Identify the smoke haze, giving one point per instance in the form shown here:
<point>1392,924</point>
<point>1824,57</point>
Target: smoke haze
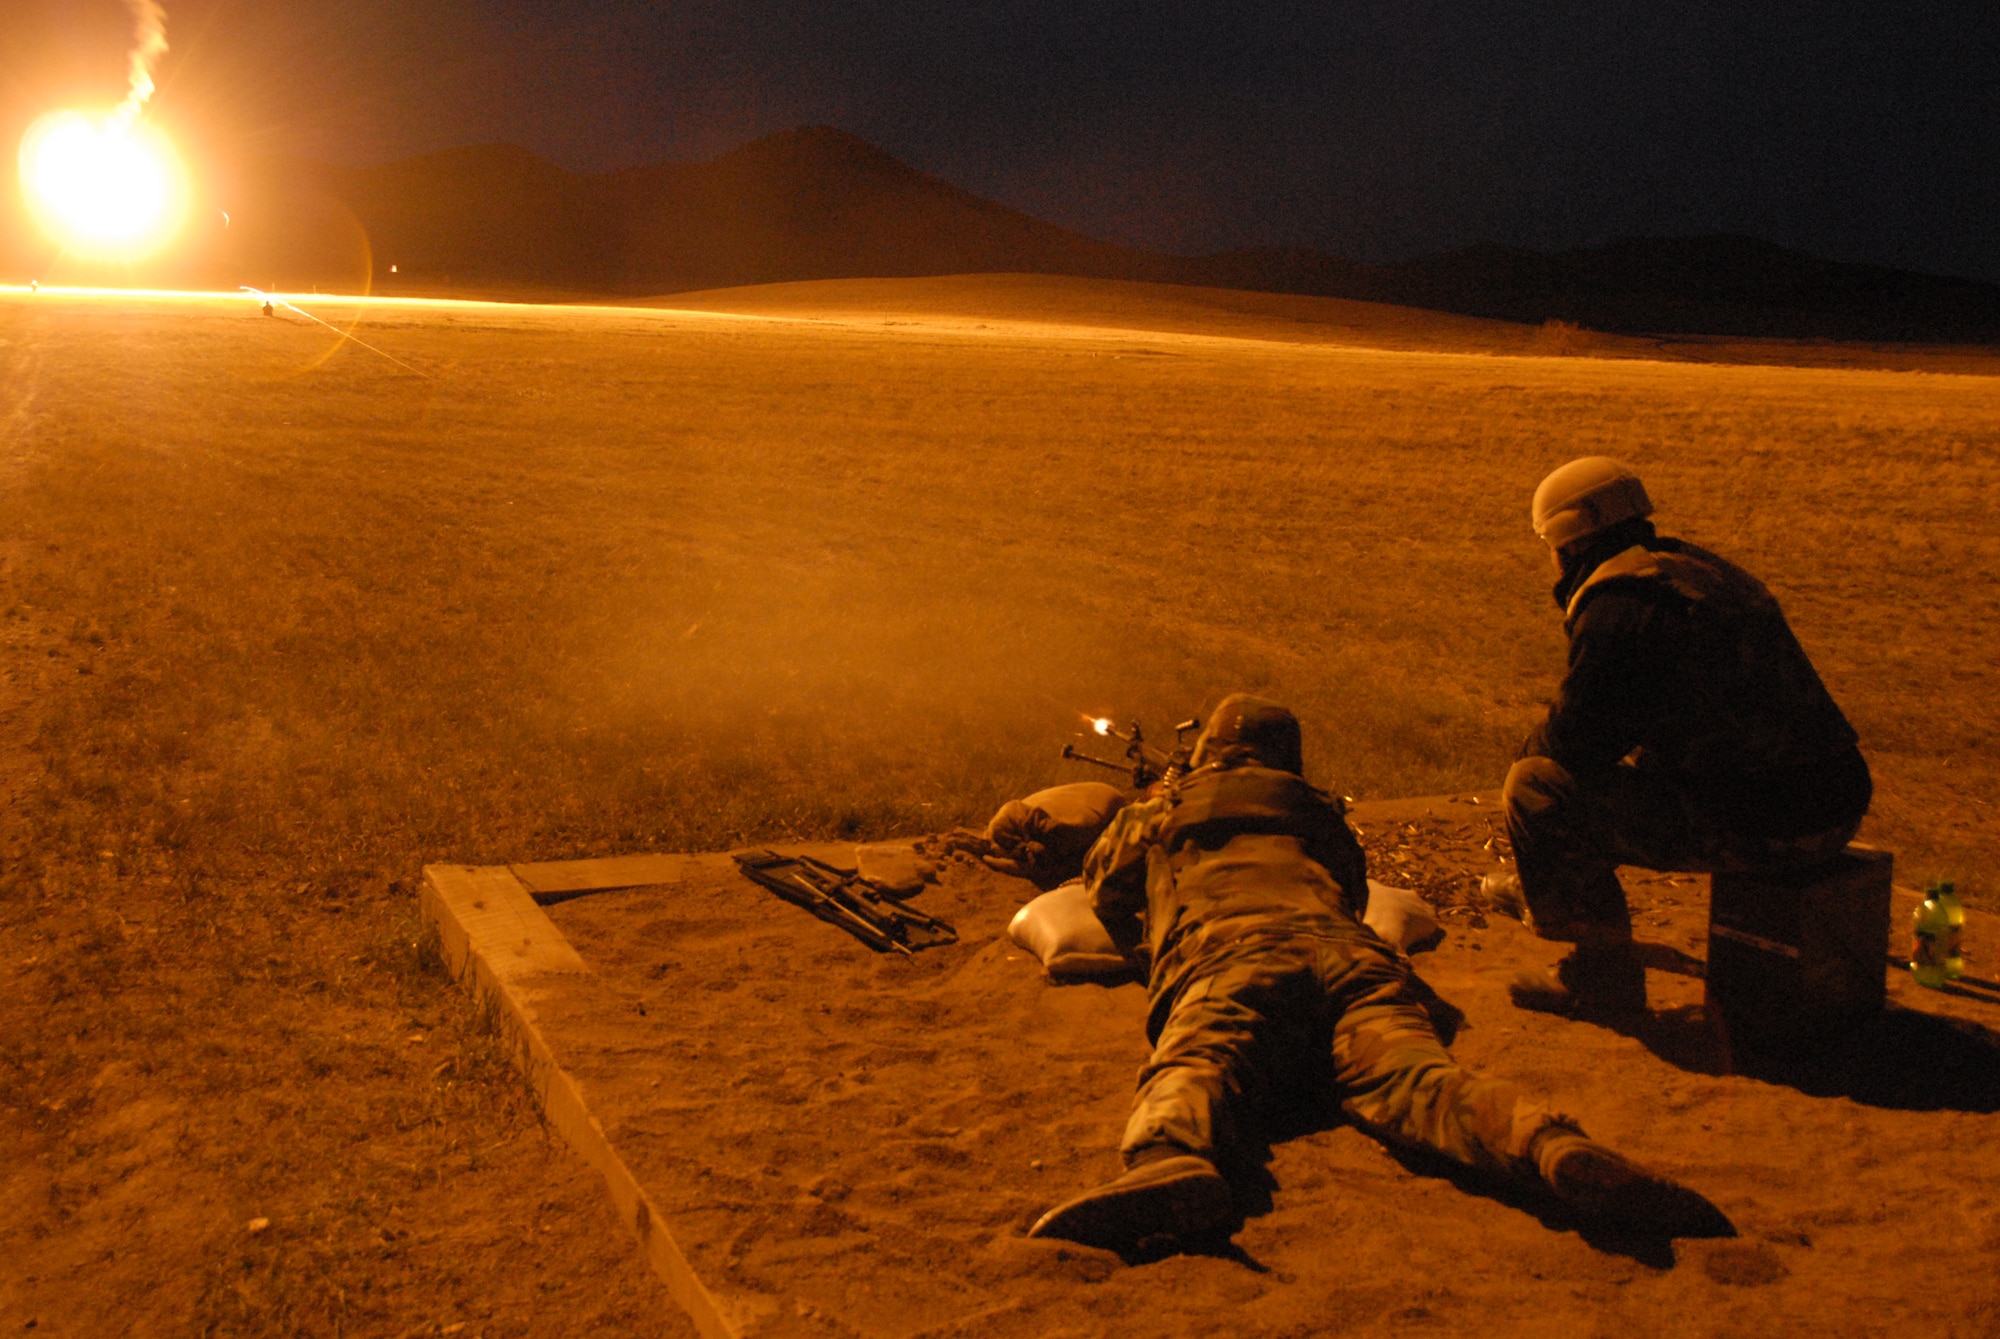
<point>149,43</point>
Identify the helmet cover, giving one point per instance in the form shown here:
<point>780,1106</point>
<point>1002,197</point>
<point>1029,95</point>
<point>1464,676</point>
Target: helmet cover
<point>1243,725</point>
<point>1586,496</point>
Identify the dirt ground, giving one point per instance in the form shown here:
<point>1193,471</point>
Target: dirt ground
<point>848,1143</point>
<point>282,619</point>
<point>229,1115</point>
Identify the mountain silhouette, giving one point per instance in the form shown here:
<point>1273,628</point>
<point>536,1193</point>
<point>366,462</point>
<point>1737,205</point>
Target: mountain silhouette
<point>814,203</point>
<point>819,203</point>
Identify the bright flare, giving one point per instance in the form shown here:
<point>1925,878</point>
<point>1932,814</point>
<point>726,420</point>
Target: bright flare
<point>106,188</point>
<point>1101,724</point>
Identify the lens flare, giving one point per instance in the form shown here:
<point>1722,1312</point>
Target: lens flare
<point>1101,724</point>
<point>107,188</point>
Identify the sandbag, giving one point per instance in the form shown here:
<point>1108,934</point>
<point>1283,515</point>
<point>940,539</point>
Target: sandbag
<point>1044,837</point>
<point>1401,918</point>
<point>1064,934</point>
<point>1062,930</point>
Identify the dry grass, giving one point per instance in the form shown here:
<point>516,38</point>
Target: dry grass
<point>295,625</point>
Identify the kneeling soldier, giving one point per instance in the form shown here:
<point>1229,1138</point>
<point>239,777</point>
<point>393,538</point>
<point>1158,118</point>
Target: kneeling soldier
<point>1250,885</point>
<point>1691,733</point>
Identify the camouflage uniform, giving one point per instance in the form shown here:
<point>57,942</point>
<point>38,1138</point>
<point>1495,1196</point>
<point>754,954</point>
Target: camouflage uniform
<point>1251,884</point>
<point>1691,733</point>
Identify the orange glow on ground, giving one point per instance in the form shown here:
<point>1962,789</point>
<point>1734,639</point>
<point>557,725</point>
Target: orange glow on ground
<point>106,188</point>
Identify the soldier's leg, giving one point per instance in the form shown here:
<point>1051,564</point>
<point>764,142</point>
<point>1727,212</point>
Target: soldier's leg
<point>1569,837</point>
<point>1724,850</point>
<point>1399,1083</point>
<point>1216,1059</point>
<point>1564,837</point>
<point>1222,1047</point>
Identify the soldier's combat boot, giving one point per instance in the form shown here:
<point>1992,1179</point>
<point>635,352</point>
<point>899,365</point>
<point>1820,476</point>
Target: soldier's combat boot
<point>1607,1185</point>
<point>1171,1196</point>
<point>1602,980</point>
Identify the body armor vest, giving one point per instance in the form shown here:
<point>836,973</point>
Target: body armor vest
<point>1214,808</point>
<point>1744,700</point>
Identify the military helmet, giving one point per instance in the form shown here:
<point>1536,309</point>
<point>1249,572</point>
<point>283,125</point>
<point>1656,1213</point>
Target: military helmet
<point>1243,724</point>
<point>1586,496</point>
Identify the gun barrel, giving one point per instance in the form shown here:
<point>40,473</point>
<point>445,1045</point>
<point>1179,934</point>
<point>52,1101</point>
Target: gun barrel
<point>1072,753</point>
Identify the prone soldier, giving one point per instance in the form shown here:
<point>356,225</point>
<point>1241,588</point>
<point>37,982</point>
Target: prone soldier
<point>1242,885</point>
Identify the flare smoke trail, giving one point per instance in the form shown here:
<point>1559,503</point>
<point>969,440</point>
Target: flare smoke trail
<point>149,43</point>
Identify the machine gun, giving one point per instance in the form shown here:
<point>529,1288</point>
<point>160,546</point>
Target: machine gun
<point>1146,765</point>
<point>841,897</point>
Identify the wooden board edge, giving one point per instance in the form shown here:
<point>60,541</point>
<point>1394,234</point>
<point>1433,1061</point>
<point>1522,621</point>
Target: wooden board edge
<point>445,889</point>
<point>558,880</point>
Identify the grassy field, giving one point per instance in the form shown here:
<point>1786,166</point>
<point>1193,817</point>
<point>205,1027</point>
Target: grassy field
<point>285,621</point>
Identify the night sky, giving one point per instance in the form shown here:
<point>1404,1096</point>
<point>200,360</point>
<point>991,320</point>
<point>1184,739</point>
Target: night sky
<point>1377,129</point>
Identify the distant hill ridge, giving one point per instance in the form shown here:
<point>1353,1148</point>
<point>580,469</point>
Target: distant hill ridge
<point>814,203</point>
<point>818,203</point>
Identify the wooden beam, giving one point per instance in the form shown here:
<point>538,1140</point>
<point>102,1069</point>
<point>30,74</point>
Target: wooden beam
<point>504,948</point>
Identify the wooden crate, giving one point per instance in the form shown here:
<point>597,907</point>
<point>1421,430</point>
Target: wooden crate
<point>1797,957</point>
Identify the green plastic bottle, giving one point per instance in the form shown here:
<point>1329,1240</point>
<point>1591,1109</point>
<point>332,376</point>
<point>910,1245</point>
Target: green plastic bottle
<point>1935,956</point>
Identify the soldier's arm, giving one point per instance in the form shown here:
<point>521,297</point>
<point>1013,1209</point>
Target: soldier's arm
<point>1339,852</point>
<point>1114,869</point>
<point>1622,652</point>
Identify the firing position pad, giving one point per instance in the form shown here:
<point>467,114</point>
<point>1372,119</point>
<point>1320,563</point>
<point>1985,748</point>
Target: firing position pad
<point>840,1142</point>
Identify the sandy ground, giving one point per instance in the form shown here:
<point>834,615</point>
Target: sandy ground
<point>848,1143</point>
<point>282,620</point>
